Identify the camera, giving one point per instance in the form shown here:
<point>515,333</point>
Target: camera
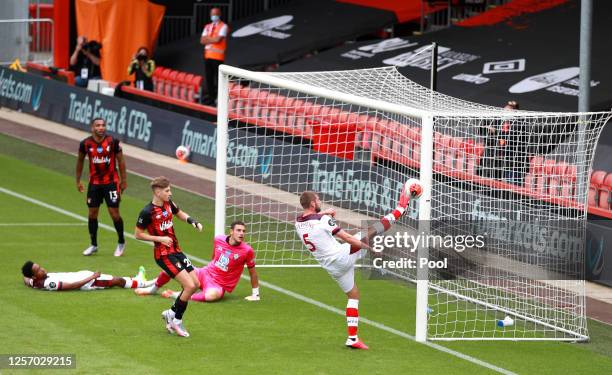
<point>92,46</point>
<point>141,58</point>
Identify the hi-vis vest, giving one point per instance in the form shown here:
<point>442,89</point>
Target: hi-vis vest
<point>215,51</point>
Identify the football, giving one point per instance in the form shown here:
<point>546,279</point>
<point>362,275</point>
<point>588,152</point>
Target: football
<point>414,188</point>
<point>182,153</point>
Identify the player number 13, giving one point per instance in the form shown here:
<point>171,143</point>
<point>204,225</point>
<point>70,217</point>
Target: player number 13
<point>309,245</point>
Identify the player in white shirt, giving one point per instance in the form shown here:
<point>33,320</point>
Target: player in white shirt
<point>34,276</point>
<point>317,229</point>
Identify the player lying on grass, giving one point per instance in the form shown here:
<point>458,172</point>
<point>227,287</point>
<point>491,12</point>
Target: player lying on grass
<point>37,277</point>
<point>317,228</point>
<point>155,224</point>
<point>230,255</point>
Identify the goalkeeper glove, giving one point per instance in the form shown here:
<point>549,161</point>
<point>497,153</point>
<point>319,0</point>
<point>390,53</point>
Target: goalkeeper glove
<point>254,295</point>
<point>195,223</point>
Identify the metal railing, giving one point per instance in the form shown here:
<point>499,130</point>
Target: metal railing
<point>449,13</point>
<point>174,28</point>
<point>26,40</point>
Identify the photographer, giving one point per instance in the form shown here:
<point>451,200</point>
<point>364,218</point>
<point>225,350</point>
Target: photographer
<point>85,61</point>
<point>143,67</point>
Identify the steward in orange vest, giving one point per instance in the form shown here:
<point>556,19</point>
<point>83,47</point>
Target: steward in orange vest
<point>214,39</point>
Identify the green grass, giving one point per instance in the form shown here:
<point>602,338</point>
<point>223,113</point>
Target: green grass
<point>114,331</point>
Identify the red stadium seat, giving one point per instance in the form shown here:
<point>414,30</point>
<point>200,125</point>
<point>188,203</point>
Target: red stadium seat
<point>568,182</point>
<point>186,86</point>
<point>473,158</point>
<point>535,172</point>
<point>343,117</point>
<point>178,85</point>
<point>170,81</point>
<point>605,193</point>
<point>554,180</point>
<point>597,179</point>
<point>414,134</point>
<point>366,139</point>
<point>353,118</point>
<point>195,90</point>
<point>549,170</point>
<point>162,81</point>
<point>334,115</point>
<point>157,78</point>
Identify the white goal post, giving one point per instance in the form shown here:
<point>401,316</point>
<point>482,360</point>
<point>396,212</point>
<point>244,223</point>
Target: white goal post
<point>354,137</point>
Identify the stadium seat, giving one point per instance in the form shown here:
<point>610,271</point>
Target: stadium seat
<point>170,82</point>
<point>366,139</point>
<point>597,179</point>
<point>178,85</point>
<point>195,91</point>
<point>548,172</point>
<point>415,138</point>
<point>605,193</point>
<point>162,81</point>
<point>157,78</point>
<point>535,170</point>
<point>568,182</point>
<point>438,156</point>
<point>473,158</point>
<point>353,118</point>
<point>270,108</point>
<point>184,95</point>
<point>466,148</point>
<point>554,180</point>
<point>452,150</point>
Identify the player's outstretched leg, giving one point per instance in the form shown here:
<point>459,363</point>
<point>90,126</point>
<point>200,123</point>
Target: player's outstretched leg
<point>153,286</point>
<point>410,189</point>
<point>352,320</point>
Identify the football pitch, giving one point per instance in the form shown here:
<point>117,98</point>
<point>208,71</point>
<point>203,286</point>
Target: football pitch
<point>297,327</point>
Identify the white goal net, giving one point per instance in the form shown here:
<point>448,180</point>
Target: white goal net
<point>518,178</point>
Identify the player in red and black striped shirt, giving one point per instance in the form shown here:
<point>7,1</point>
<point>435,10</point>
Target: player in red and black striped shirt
<point>155,224</point>
<point>104,154</point>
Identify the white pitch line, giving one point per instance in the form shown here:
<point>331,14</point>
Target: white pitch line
<point>41,224</point>
<point>283,291</point>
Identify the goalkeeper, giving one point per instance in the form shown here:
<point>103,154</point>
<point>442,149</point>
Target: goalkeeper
<point>230,254</point>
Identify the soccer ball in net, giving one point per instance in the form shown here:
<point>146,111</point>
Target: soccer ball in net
<point>413,188</point>
<point>182,153</point>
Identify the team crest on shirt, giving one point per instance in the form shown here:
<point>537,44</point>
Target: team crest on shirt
<point>51,285</point>
<point>332,222</point>
<point>236,256</point>
<point>100,149</point>
<point>178,265</point>
<point>164,213</point>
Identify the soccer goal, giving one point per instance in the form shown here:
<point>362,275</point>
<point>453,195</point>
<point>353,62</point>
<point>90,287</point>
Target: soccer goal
<point>518,178</point>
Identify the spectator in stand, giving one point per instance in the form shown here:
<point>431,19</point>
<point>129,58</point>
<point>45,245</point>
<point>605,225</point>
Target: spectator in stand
<point>142,67</point>
<point>85,61</point>
<point>502,150</point>
<point>214,39</point>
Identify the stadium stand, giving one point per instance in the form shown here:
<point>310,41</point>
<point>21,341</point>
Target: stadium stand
<point>546,179</point>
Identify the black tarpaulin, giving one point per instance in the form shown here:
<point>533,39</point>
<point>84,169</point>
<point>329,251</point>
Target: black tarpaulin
<point>293,30</point>
<point>533,59</point>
